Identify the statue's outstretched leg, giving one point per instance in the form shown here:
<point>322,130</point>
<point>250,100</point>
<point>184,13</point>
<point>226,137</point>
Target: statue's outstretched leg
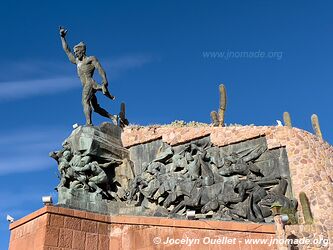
<point>97,108</point>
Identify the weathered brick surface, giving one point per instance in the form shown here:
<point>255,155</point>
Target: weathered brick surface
<point>103,228</point>
<point>52,236</point>
<point>91,241</point>
<point>72,223</point>
<point>56,220</point>
<point>125,232</point>
<point>103,241</point>
<point>65,238</point>
<point>89,226</point>
<point>60,228</point>
<point>79,240</point>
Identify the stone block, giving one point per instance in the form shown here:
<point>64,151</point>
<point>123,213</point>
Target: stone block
<point>65,238</point>
<point>56,220</point>
<point>89,226</point>
<point>72,223</point>
<point>103,242</point>
<point>79,240</point>
<point>52,236</point>
<point>91,241</point>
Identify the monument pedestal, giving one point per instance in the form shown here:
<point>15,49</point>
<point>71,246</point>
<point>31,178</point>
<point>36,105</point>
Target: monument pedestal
<point>56,228</point>
<point>310,162</point>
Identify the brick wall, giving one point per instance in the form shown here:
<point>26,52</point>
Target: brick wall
<point>56,228</point>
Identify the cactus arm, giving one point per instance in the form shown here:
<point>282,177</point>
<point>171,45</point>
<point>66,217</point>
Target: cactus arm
<point>316,126</point>
<point>287,119</point>
<point>215,119</point>
<point>306,208</point>
<point>223,104</point>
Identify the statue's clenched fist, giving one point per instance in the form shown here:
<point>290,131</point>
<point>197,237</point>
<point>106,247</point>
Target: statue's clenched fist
<point>62,31</point>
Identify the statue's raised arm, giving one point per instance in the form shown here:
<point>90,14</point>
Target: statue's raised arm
<point>65,46</point>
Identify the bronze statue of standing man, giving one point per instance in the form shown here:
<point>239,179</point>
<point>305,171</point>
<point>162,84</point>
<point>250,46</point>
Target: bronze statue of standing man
<point>86,66</point>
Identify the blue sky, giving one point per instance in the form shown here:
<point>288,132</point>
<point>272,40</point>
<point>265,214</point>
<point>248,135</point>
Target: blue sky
<point>153,52</point>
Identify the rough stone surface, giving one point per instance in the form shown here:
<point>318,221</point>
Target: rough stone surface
<point>310,162</point>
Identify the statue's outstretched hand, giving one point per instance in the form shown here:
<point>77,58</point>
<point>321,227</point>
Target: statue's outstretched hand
<point>62,31</point>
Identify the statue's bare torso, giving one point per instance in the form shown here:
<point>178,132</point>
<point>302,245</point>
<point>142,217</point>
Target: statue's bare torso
<point>86,69</point>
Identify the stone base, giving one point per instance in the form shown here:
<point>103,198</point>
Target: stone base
<point>57,228</point>
<point>82,200</point>
<point>93,202</point>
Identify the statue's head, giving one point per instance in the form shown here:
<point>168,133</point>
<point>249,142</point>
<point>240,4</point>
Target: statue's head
<point>80,50</point>
<point>84,160</point>
<point>66,155</point>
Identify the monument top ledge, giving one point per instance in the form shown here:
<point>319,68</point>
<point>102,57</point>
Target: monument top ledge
<point>177,133</point>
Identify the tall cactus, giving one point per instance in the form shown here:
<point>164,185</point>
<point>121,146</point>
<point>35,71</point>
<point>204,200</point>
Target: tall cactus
<point>218,117</point>
<point>215,118</point>
<point>287,119</point>
<point>223,104</point>
<point>122,115</point>
<point>306,208</point>
<point>316,126</point>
